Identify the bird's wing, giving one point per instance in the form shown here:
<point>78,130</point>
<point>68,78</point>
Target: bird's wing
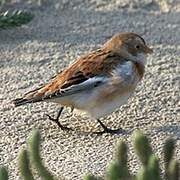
<point>86,73</point>
<point>77,88</point>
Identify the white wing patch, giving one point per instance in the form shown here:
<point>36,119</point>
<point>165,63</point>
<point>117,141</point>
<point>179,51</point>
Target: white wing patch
<point>88,84</point>
<point>78,88</point>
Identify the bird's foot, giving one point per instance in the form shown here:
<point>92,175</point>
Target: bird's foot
<point>110,131</point>
<point>107,130</point>
<point>58,123</point>
<point>56,120</point>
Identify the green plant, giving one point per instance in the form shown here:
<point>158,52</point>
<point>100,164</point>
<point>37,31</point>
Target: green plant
<point>15,18</point>
<point>92,177</point>
<point>34,156</point>
<point>3,173</point>
<point>117,170</point>
<point>24,165</point>
<point>30,158</point>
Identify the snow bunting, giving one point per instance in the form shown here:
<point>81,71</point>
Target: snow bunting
<point>98,82</point>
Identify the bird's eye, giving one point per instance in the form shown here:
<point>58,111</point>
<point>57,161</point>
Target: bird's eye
<point>137,46</point>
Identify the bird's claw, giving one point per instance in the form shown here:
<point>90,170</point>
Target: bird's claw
<point>109,131</point>
<point>56,120</point>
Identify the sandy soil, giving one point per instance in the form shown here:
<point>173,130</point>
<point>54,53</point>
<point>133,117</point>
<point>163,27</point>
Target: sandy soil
<point>60,32</point>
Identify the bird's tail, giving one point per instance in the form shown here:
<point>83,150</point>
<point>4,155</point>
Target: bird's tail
<point>21,101</point>
<point>30,97</point>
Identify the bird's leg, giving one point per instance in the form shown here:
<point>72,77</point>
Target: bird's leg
<point>56,120</point>
<point>106,129</point>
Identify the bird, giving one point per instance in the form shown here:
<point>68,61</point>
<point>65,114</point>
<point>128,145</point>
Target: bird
<point>98,82</point>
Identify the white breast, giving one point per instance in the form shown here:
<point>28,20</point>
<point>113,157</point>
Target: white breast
<point>126,74</point>
<point>109,106</point>
<point>123,71</point>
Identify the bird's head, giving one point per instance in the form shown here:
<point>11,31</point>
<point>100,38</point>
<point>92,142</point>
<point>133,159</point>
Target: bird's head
<point>129,45</point>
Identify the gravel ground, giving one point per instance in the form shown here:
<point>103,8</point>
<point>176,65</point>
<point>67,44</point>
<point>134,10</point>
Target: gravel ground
<point>63,30</point>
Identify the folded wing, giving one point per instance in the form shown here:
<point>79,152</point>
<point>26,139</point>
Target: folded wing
<point>88,72</point>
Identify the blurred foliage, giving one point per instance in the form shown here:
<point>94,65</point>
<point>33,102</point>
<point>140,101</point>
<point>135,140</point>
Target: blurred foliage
<point>30,158</point>
<point>15,18</point>
<point>118,168</point>
<point>3,173</point>
<point>11,17</point>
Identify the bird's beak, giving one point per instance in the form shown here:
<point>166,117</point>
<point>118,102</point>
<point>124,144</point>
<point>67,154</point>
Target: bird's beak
<point>148,50</point>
